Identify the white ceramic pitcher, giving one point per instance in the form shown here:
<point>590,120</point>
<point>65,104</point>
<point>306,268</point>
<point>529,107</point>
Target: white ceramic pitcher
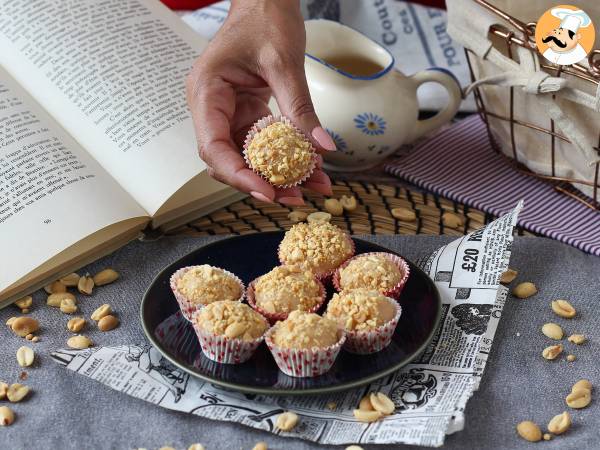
<point>368,107</point>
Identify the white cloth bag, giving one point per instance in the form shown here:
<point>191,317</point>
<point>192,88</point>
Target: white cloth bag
<point>575,109</point>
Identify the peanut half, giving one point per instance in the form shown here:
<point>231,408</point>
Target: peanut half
<point>70,280</point>
<point>367,416</point>
<point>348,202</point>
<point>560,423</point>
<point>563,308</point>
<point>353,447</point>
<point>110,322</point>
<point>76,324</point>
<point>579,398</point>
<point>403,214</point>
<point>552,352</point>
<point>287,421</point>
<point>582,384</point>
<point>25,302</point>
<point>577,339</point>
<point>318,216</point>
<point>101,311</point>
<point>25,356</point>
<point>334,207</point>
<point>524,290</point>
<point>452,220</point>
<point>508,276</point>
<point>297,216</point>
<point>553,331</point>
<point>3,390</point>
<point>55,288</point>
<point>106,276</point>
<point>260,446</point>
<point>232,331</point>
<point>196,447</point>
<point>382,403</point>
<point>7,417</point>
<point>22,326</point>
<point>365,403</point>
<point>571,358</point>
<point>68,306</point>
<point>17,392</point>
<point>79,342</point>
<point>529,431</point>
<point>85,284</point>
<point>56,299</point>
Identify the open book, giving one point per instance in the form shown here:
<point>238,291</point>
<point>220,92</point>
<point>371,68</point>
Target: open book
<point>96,140</point>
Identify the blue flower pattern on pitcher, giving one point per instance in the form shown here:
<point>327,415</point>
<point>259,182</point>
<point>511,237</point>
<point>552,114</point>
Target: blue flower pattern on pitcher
<point>370,124</point>
<point>340,143</point>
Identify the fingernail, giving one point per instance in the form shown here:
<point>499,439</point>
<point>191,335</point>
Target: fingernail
<point>323,139</point>
<point>293,201</point>
<point>260,196</point>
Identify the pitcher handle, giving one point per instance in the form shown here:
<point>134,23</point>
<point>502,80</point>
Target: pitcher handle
<point>449,81</point>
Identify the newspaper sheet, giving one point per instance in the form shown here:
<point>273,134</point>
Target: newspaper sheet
<point>414,34</point>
<point>430,394</point>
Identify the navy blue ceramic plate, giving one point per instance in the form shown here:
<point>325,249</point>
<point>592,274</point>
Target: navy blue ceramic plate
<point>248,257</point>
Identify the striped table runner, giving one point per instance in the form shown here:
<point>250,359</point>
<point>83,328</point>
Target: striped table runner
<point>460,164</point>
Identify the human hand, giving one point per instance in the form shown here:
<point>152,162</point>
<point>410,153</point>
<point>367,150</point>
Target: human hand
<point>258,51</point>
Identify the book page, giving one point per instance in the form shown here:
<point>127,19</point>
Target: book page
<point>112,72</point>
<point>52,193</point>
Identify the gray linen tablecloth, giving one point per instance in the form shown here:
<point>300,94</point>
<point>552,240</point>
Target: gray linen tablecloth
<point>68,411</point>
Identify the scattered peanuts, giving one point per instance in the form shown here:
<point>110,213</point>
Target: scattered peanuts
<point>331,406</point>
<point>25,356</point>
<point>22,326</point>
<point>68,306</point>
<point>382,403</point>
<point>571,358</point>
<point>110,322</point>
<point>55,288</point>
<point>105,276</point>
<point>70,280</point>
<point>25,302</point>
<point>85,284</point>
<point>334,207</point>
<point>79,342</point>
<point>524,290</point>
<point>3,390</point>
<point>577,339</point>
<point>287,421</point>
<point>348,202</point>
<point>318,216</point>
<point>260,446</point>
<point>560,423</point>
<point>452,220</point>
<point>508,276</point>
<point>579,398</point>
<point>367,416</point>
<point>101,311</point>
<point>404,214</point>
<point>29,337</point>
<point>552,351</point>
<point>7,417</point>
<point>365,403</point>
<point>76,324</point>
<point>17,392</point>
<point>196,447</point>
<point>547,436</point>
<point>297,216</point>
<point>529,431</point>
<point>563,308</point>
<point>56,299</point>
<point>553,331</point>
<point>35,339</point>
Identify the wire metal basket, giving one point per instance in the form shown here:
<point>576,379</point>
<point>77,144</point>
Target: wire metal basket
<point>524,37</point>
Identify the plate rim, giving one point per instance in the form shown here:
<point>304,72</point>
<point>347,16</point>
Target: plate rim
<point>309,391</point>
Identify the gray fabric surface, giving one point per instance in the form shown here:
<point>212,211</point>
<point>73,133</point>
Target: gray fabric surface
<point>68,411</point>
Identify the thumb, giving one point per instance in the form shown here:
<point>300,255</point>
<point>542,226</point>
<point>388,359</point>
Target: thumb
<point>293,98</point>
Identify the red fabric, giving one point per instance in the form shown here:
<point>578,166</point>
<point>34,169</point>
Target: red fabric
<point>195,4</point>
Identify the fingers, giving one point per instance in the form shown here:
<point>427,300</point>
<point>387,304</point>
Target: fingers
<point>289,196</point>
<point>213,106</point>
<point>319,182</point>
<point>288,82</point>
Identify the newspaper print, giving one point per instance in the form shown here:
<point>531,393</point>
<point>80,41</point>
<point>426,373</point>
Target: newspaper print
<point>430,394</point>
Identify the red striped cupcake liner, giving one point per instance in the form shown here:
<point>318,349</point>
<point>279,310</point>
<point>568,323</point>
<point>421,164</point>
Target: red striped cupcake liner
<point>222,349</point>
<point>399,262</point>
<point>264,123</point>
<point>302,363</point>
<point>275,317</point>
<point>373,341</point>
<point>325,277</point>
<point>187,306</point>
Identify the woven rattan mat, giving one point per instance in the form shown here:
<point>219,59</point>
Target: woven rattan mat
<point>372,216</point>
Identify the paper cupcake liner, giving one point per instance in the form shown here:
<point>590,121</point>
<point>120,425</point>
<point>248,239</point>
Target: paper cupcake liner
<point>222,349</point>
<point>325,277</point>
<point>373,341</point>
<point>264,123</point>
<point>275,317</point>
<point>399,262</point>
<point>304,362</point>
<point>187,306</point>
